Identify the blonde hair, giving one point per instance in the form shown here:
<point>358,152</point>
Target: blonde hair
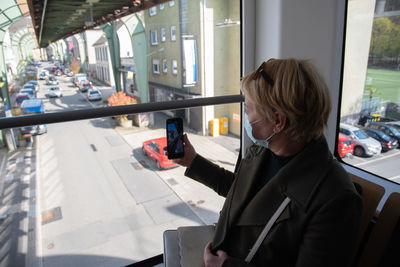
<point>297,91</point>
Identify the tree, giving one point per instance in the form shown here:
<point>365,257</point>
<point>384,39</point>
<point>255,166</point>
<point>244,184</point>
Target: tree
<point>380,40</point>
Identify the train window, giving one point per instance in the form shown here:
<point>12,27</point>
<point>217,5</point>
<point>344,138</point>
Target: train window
<point>106,190</point>
<point>370,104</point>
<point>202,51</point>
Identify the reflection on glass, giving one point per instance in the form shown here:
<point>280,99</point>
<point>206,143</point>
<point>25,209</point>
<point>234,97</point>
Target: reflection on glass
<point>371,95</point>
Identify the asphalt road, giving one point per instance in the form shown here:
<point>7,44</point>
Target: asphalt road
<point>101,203</point>
<point>385,165</point>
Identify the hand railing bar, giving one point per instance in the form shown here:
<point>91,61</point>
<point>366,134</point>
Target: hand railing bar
<point>82,114</point>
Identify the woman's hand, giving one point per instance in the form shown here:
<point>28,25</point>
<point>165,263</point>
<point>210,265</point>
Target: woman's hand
<point>190,153</point>
<point>210,260</point>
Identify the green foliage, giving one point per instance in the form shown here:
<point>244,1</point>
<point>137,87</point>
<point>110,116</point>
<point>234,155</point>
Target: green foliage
<point>385,40</point>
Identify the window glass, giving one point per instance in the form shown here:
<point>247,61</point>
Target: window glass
<point>156,66</point>
<point>164,66</point>
<point>153,37</point>
<point>162,34</point>
<point>174,66</point>
<point>152,11</point>
<point>173,33</point>
<point>371,95</point>
<point>103,172</point>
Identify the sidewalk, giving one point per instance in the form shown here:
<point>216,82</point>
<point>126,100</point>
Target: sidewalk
<point>203,201</point>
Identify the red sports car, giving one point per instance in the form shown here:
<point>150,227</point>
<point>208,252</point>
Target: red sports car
<point>345,147</point>
<point>154,148</point>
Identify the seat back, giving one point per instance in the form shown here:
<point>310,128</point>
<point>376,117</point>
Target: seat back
<point>371,194</point>
<point>381,233</point>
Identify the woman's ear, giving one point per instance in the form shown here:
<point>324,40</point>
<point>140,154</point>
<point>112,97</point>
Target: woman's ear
<point>280,122</point>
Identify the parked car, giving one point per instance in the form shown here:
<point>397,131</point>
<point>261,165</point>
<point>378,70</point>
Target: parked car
<point>28,90</point>
<point>390,130</point>
<point>54,91</point>
<point>51,80</point>
<point>94,94</point>
<point>43,75</point>
<point>34,129</point>
<point>20,98</point>
<point>363,144</point>
<point>345,147</point>
<point>68,72</point>
<point>386,141</point>
<point>85,86</point>
<point>35,85</point>
<point>154,148</point>
<point>395,124</point>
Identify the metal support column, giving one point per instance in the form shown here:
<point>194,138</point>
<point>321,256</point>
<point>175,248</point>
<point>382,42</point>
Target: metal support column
<point>113,45</point>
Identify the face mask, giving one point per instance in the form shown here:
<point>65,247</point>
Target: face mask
<point>249,130</point>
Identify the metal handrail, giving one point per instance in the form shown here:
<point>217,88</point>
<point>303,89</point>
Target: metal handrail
<point>92,113</point>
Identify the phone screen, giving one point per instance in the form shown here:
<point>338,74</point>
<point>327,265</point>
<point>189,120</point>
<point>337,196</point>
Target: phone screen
<point>175,138</point>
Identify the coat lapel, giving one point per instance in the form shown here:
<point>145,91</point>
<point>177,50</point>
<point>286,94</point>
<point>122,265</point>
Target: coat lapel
<point>239,194</point>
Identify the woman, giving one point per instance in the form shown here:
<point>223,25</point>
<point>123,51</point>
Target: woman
<point>287,105</point>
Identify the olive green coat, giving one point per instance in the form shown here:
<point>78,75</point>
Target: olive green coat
<point>318,228</point>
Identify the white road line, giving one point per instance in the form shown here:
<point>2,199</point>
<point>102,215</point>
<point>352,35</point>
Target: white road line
<point>377,159</point>
<point>86,99</point>
<point>2,164</point>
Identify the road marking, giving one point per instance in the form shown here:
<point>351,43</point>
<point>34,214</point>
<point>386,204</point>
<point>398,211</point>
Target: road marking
<point>377,159</point>
<point>2,164</point>
<point>85,98</point>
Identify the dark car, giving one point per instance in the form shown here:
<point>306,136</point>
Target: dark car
<point>390,130</point>
<point>85,86</point>
<point>386,141</point>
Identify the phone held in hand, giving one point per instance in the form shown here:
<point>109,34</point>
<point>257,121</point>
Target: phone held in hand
<point>175,138</point>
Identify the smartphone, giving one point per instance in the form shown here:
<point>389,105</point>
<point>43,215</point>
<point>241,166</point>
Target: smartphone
<point>175,138</point>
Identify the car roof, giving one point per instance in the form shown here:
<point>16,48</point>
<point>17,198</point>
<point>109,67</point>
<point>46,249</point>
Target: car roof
<point>161,141</point>
<point>342,137</point>
<point>349,127</point>
<point>22,94</point>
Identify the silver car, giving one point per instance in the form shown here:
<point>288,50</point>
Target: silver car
<point>363,144</point>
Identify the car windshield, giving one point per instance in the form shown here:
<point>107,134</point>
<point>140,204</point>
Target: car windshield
<point>394,131</point>
<point>94,92</point>
<point>360,134</point>
<point>20,99</point>
<point>383,135</point>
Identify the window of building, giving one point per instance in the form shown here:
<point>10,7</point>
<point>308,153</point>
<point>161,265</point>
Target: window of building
<point>152,11</point>
<point>156,66</point>
<point>162,34</point>
<point>173,33</point>
<point>370,94</point>
<point>153,37</point>
<point>174,66</point>
<point>164,66</point>
<point>171,3</point>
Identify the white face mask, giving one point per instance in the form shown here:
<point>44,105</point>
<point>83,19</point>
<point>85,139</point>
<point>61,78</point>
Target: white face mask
<point>249,130</point>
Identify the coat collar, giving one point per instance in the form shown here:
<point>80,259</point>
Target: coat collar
<point>298,179</point>
<point>301,177</point>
